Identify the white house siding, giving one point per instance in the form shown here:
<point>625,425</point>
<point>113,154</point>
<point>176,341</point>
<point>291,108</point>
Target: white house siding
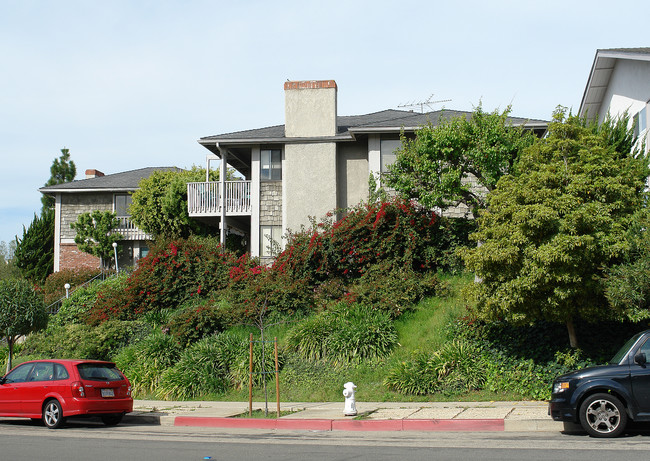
<point>628,90</point>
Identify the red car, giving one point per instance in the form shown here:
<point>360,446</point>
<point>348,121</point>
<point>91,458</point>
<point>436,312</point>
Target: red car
<point>53,390</point>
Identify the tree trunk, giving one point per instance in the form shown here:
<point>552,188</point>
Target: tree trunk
<point>573,339</point>
<point>10,345</point>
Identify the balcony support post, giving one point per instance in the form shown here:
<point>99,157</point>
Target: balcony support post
<point>222,185</point>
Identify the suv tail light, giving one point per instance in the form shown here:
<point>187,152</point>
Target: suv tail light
<point>78,389</point>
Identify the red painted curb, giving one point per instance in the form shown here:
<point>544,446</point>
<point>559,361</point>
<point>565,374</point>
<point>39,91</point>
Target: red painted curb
<point>453,425</point>
<point>367,425</point>
<point>305,424</point>
<point>449,425</point>
<point>255,423</point>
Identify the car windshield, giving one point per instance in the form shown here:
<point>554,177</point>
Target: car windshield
<point>99,372</point>
<point>624,350</point>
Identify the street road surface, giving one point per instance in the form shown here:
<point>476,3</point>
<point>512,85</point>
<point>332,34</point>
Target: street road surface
<point>86,440</point>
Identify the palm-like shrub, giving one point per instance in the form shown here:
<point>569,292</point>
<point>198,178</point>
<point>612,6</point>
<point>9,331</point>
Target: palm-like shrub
<point>144,362</point>
<point>459,366</point>
<point>346,333</point>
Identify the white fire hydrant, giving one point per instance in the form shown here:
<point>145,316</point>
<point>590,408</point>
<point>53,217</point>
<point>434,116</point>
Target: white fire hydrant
<point>350,404</point>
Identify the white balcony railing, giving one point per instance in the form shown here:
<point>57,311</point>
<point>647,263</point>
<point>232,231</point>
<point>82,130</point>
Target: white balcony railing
<point>204,198</point>
<point>129,230</point>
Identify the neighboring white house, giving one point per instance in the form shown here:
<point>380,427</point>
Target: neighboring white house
<point>97,192</point>
<point>619,82</point>
<point>317,162</point>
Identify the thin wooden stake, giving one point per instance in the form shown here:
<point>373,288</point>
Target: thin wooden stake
<point>250,379</point>
<point>277,375</point>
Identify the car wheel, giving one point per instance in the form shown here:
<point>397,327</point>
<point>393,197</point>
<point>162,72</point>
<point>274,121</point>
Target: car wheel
<point>603,415</point>
<point>113,419</point>
<point>53,414</point>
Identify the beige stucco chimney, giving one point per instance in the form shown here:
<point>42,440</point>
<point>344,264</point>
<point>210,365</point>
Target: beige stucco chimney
<point>310,108</point>
<point>93,174</point>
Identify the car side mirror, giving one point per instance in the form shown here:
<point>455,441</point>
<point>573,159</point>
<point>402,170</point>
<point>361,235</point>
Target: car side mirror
<point>640,358</point>
<point>3,380</point>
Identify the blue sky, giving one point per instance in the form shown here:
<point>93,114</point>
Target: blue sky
<point>131,84</point>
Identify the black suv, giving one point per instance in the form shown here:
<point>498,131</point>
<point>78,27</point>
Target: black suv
<point>602,399</point>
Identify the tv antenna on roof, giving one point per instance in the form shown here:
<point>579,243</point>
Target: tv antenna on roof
<point>421,104</point>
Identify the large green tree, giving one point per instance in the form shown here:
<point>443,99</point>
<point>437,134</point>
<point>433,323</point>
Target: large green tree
<point>62,170</point>
<point>627,285</point>
<point>94,234</point>
<point>34,254</point>
<point>553,227</point>
<point>159,206</point>
<point>434,167</point>
<point>21,312</point>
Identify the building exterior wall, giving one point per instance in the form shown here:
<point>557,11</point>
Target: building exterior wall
<point>308,183</point>
<point>628,89</point>
<point>271,203</point>
<point>310,108</point>
<point>71,257</point>
<point>72,205</point>
<point>352,173</point>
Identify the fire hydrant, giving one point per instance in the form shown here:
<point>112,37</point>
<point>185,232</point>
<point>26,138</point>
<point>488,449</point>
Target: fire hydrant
<point>350,404</point>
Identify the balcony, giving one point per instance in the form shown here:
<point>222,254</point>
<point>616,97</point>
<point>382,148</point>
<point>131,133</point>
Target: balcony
<point>204,198</point>
<point>129,230</point>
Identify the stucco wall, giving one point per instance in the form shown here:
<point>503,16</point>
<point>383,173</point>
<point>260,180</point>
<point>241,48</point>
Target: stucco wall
<point>353,173</point>
<point>629,88</point>
<point>72,205</point>
<point>309,182</point>
<point>310,108</point>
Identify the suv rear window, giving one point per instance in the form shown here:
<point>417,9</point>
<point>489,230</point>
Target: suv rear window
<point>99,372</point>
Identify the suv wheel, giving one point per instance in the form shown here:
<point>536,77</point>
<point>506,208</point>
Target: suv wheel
<point>53,414</point>
<point>603,415</point>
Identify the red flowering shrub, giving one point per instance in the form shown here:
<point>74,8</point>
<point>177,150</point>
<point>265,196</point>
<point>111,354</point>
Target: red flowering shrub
<point>397,233</point>
<point>257,291</point>
<point>174,272</point>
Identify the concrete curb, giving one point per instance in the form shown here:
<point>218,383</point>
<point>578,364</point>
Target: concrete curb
<point>452,425</point>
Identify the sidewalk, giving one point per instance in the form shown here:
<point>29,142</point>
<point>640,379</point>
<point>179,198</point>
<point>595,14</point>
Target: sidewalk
<point>372,416</point>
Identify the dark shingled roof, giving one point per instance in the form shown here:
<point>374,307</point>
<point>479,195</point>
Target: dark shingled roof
<point>124,181</point>
<point>383,121</point>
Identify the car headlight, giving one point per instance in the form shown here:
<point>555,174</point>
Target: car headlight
<point>560,386</point>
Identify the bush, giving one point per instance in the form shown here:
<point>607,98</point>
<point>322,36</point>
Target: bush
<point>344,334</point>
<point>393,290</point>
<point>396,232</point>
<point>54,286</point>
<point>204,368</point>
<point>75,309</point>
<point>195,320</point>
<point>145,361</point>
<point>77,341</point>
<point>172,273</point>
<point>457,367</point>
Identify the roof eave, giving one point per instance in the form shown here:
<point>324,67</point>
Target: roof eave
<point>44,190</point>
<point>236,142</point>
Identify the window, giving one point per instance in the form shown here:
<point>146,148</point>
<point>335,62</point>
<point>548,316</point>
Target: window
<point>43,371</point>
<point>121,203</point>
<point>271,164</point>
<point>270,241</point>
<point>640,121</point>
<point>388,153</point>
<point>19,375</point>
